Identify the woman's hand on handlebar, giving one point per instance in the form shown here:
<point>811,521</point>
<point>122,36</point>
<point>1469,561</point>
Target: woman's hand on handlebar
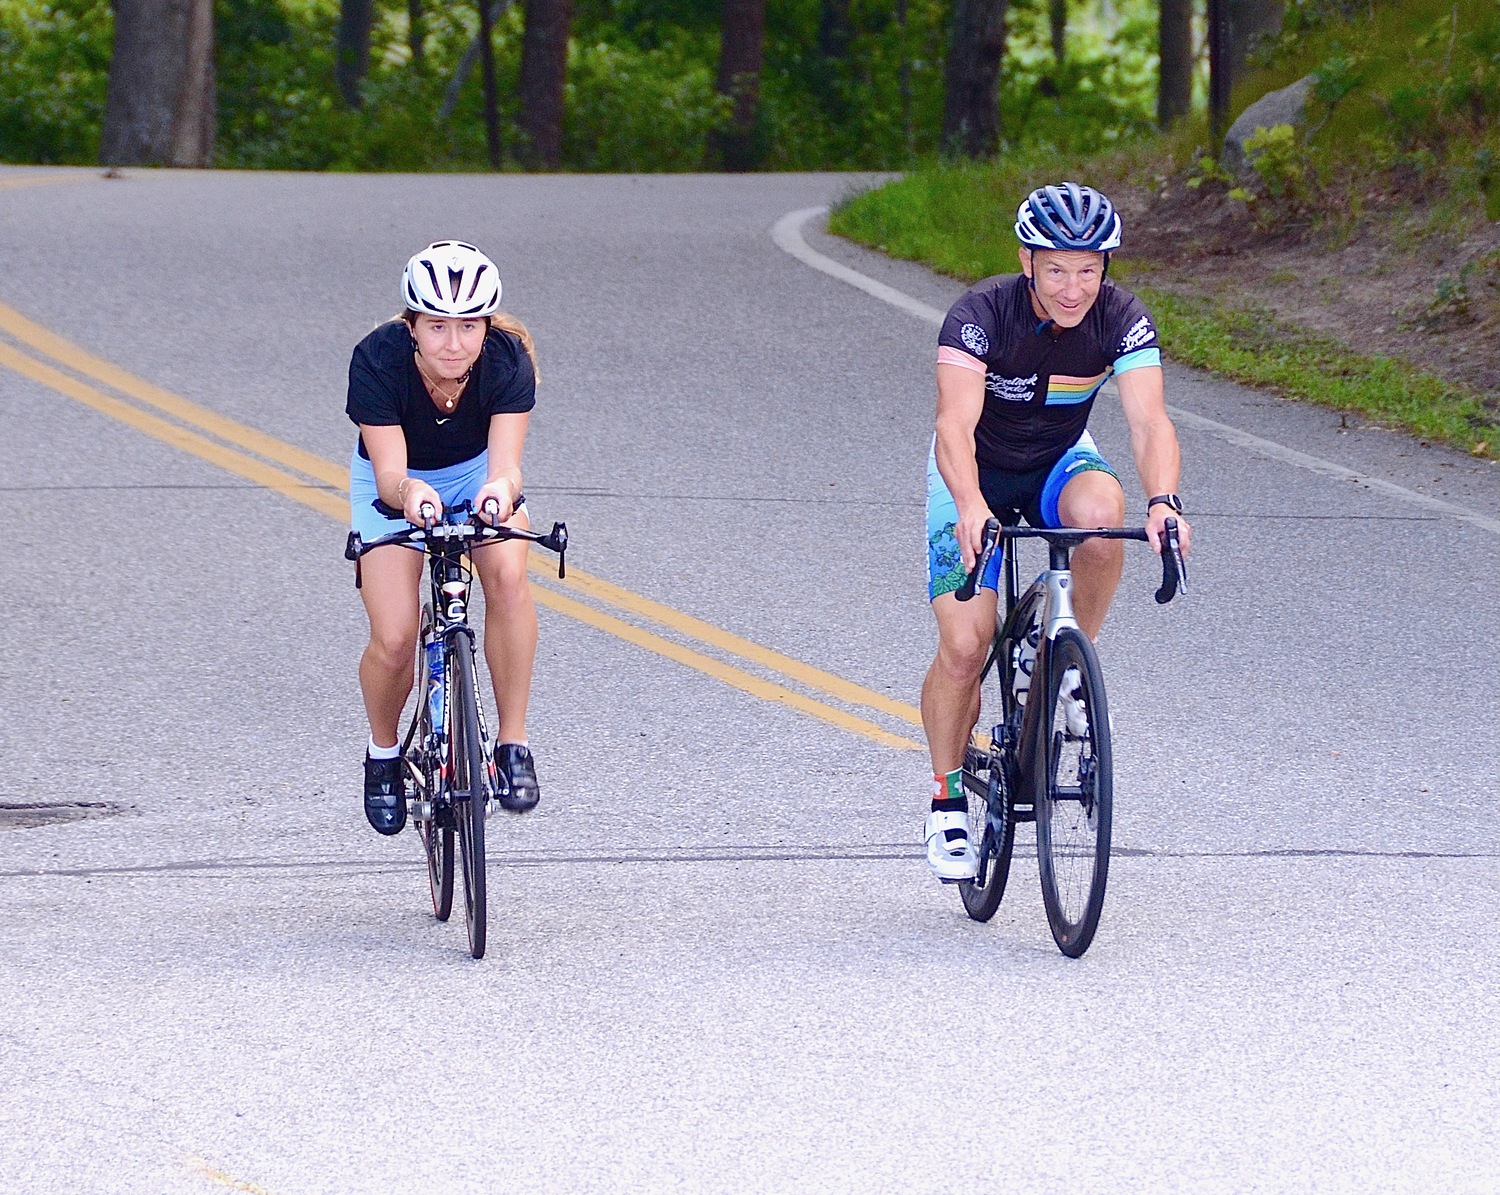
<point>1156,520</point>
<point>496,501</point>
<point>414,494</point>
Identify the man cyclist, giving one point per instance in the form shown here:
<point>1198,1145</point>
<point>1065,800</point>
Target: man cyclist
<point>1021,358</point>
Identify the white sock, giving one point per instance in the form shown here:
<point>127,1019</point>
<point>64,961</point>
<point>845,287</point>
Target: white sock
<point>379,752</point>
<point>516,743</point>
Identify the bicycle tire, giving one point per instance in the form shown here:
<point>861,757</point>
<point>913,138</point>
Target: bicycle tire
<point>469,780</point>
<point>990,790</point>
<point>989,795</point>
<point>1075,796</point>
<point>436,831</point>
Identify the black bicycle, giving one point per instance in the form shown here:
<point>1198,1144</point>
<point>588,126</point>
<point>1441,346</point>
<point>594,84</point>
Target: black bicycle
<point>1047,760</point>
<point>447,747</point>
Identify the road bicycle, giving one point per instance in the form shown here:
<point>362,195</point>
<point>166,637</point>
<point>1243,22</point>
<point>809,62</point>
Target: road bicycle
<point>1048,757</point>
<point>446,748</point>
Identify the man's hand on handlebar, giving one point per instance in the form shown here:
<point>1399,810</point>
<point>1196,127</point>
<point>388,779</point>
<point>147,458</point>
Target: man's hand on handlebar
<point>1156,520</point>
<point>969,531</point>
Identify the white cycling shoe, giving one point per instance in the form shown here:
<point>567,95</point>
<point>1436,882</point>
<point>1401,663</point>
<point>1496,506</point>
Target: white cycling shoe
<point>954,858</point>
<point>1072,701</point>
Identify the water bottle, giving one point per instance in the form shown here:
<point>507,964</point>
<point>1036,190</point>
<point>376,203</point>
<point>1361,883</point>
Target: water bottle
<point>435,682</point>
<point>1024,657</point>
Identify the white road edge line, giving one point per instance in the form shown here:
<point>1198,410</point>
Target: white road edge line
<point>787,233</point>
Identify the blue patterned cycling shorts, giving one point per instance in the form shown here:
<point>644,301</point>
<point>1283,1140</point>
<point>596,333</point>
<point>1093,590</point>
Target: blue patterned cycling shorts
<point>1010,496</point>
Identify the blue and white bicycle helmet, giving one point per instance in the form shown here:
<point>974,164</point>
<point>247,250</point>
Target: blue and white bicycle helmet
<point>1068,216</point>
<point>452,279</point>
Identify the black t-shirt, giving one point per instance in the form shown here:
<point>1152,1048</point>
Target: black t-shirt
<point>1040,382</point>
<point>386,390</point>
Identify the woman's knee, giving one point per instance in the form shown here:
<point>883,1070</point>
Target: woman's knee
<point>503,576</point>
<point>393,645</point>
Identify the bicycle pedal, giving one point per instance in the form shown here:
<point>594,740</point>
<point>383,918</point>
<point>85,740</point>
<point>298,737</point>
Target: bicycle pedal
<point>419,809</point>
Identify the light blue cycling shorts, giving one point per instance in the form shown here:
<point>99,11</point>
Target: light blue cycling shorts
<point>1034,495</point>
<point>457,483</point>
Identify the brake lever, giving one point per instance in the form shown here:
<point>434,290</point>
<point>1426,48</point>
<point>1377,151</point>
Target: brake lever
<point>987,543</point>
<point>557,541</point>
<point>1174,578</point>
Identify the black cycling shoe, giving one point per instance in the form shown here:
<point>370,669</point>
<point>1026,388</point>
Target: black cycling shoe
<point>519,790</point>
<point>385,794</point>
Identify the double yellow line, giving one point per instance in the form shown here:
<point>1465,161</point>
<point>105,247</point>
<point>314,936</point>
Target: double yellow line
<point>307,478</point>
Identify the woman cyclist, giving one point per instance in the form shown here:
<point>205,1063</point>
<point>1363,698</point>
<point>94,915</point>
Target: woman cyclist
<point>441,395</point>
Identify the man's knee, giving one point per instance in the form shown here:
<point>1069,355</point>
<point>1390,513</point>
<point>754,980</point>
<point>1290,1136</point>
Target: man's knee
<point>1098,503</point>
<point>961,654</point>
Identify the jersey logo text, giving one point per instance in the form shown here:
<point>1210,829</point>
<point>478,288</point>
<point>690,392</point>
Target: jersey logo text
<point>1011,389</point>
<point>974,339</point>
<point>1140,332</point>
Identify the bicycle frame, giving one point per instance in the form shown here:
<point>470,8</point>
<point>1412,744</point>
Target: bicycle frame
<point>1019,739</point>
<point>449,580</point>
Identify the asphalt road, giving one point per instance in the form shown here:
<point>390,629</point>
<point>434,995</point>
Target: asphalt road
<point>717,961</point>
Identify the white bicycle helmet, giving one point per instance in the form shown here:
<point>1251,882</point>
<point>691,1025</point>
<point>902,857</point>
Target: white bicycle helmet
<point>453,279</point>
<point>1068,216</point>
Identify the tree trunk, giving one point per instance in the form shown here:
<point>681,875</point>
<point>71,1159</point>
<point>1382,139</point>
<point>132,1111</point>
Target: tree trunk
<point>971,107</point>
<point>741,51</point>
<point>351,61</point>
<point>160,108</point>
<point>487,67</point>
<point>834,33</point>
<point>1174,91</point>
<point>1248,19</point>
<point>466,65</point>
<point>416,29</point>
<point>544,75</point>
<point>1057,19</point>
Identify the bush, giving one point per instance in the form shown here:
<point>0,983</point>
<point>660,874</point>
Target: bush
<point>54,74</point>
<point>633,109</point>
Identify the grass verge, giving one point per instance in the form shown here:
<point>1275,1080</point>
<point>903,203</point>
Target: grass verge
<point>957,221</point>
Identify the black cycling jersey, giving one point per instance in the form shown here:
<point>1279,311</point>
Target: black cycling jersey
<point>386,390</point>
<point>1040,381</point>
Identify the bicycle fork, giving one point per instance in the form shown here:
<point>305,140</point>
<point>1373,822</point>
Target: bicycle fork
<point>1036,724</point>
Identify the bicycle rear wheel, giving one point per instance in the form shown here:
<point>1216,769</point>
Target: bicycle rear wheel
<point>469,786</point>
<point>1074,801</point>
<point>425,773</point>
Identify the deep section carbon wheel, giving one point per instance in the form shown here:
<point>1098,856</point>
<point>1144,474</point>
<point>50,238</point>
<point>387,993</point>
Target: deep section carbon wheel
<point>469,785</point>
<point>1075,794</point>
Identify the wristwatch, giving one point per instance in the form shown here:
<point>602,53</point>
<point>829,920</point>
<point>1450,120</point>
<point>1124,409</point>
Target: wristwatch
<point>1171,500</point>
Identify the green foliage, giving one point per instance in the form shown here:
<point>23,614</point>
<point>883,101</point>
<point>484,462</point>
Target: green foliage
<point>958,219</point>
<point>1102,93</point>
<point>641,92</point>
<point>54,62</point>
<point>1276,157</point>
<point>1206,169</point>
<point>633,109</point>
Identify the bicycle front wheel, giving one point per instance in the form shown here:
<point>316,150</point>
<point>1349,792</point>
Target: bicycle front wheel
<point>1074,802</point>
<point>470,785</point>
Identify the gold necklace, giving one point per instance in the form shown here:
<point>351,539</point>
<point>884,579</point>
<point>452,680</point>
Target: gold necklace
<point>436,391</point>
